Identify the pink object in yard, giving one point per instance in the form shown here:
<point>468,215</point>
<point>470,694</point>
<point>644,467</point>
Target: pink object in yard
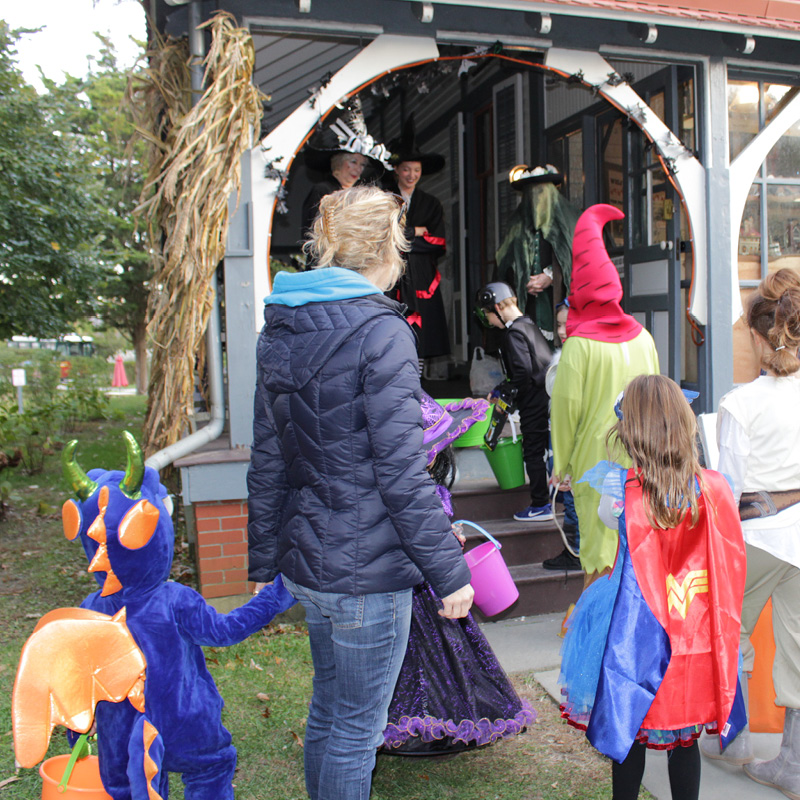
<point>120,378</point>
<point>492,583</point>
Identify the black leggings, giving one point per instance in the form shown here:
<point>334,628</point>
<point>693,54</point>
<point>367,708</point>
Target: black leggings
<point>683,764</point>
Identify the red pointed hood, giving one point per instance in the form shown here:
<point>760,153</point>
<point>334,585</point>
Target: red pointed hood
<point>595,290</point>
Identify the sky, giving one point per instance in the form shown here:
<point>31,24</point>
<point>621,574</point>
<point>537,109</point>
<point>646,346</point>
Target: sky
<point>68,36</point>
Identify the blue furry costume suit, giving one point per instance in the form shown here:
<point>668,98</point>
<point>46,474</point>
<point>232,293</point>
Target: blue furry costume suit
<point>180,729</point>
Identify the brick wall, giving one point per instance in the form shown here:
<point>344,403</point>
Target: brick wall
<point>222,548</point>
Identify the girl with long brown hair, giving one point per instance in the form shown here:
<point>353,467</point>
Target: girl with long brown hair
<point>758,430</point>
<point>638,669</point>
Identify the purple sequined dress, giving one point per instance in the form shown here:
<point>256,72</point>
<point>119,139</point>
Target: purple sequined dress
<point>452,693</point>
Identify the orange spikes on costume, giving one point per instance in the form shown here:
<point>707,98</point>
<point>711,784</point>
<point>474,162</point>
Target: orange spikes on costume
<point>71,519</point>
<point>138,525</point>
<point>97,530</point>
<point>111,585</point>
<point>100,562</point>
<point>150,733</point>
<point>136,695</point>
<point>73,659</point>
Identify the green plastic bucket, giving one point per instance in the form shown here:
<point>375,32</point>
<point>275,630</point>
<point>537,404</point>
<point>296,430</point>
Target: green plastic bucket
<point>506,462</point>
<point>474,436</point>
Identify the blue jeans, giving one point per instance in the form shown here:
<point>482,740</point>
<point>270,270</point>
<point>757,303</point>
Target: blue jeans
<point>357,644</point>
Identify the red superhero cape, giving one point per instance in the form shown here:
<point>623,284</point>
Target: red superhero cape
<point>692,578</point>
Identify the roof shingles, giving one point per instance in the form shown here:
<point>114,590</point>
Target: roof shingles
<point>776,14</point>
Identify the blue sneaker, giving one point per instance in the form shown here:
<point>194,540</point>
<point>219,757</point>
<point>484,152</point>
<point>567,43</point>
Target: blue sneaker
<point>535,514</point>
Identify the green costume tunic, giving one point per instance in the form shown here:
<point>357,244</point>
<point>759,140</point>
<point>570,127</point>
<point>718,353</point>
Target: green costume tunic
<point>590,376</point>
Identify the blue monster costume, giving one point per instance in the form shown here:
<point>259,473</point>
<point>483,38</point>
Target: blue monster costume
<point>128,536</point>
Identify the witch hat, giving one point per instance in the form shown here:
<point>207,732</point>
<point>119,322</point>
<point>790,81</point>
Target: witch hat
<point>522,175</point>
<point>347,134</point>
<point>595,310</point>
<point>405,149</point>
<point>443,424</point>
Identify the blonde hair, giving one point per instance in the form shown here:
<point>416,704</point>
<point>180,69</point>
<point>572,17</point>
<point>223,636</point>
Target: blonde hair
<point>773,312</point>
<point>360,229</point>
<point>659,432</point>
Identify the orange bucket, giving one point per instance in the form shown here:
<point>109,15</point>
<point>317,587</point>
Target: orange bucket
<point>83,784</point>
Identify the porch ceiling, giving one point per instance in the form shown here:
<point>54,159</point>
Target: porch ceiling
<point>289,67</point>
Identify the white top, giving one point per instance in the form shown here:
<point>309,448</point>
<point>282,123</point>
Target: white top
<point>550,376</point>
<point>758,430</point>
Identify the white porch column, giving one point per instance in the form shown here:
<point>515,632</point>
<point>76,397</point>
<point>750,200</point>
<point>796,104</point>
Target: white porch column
<point>718,353</point>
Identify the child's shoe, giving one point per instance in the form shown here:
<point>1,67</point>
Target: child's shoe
<point>564,560</point>
<point>535,514</point>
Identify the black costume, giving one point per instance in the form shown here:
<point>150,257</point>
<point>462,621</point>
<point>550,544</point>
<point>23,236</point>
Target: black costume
<point>526,355</point>
<point>420,286</point>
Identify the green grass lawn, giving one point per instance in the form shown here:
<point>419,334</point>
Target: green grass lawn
<point>266,681</point>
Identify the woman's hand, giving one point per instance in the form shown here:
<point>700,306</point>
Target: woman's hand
<point>458,532</point>
<point>538,283</point>
<point>458,603</point>
<point>420,230</point>
<point>258,587</point>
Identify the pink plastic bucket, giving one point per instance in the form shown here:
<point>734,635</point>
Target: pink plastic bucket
<point>492,583</point>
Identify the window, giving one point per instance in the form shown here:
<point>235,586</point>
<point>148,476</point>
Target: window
<point>769,232</point>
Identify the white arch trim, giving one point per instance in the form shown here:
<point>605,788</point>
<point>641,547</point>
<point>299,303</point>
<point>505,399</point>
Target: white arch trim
<point>390,52</point>
<point>687,173</point>
<point>743,171</point>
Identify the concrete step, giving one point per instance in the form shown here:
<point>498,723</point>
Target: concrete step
<point>473,465</point>
<point>541,591</point>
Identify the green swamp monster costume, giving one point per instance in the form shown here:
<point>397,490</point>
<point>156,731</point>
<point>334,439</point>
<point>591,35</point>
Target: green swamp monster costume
<point>540,233</point>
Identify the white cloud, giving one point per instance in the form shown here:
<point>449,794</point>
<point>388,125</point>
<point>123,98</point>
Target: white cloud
<point>67,38</point>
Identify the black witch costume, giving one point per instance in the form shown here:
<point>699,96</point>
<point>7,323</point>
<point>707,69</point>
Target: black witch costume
<point>420,287</point>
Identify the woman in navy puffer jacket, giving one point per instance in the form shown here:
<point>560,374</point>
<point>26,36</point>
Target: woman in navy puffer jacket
<point>339,498</point>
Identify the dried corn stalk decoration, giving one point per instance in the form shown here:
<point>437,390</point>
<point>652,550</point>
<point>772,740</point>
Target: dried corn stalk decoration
<point>197,153</point>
